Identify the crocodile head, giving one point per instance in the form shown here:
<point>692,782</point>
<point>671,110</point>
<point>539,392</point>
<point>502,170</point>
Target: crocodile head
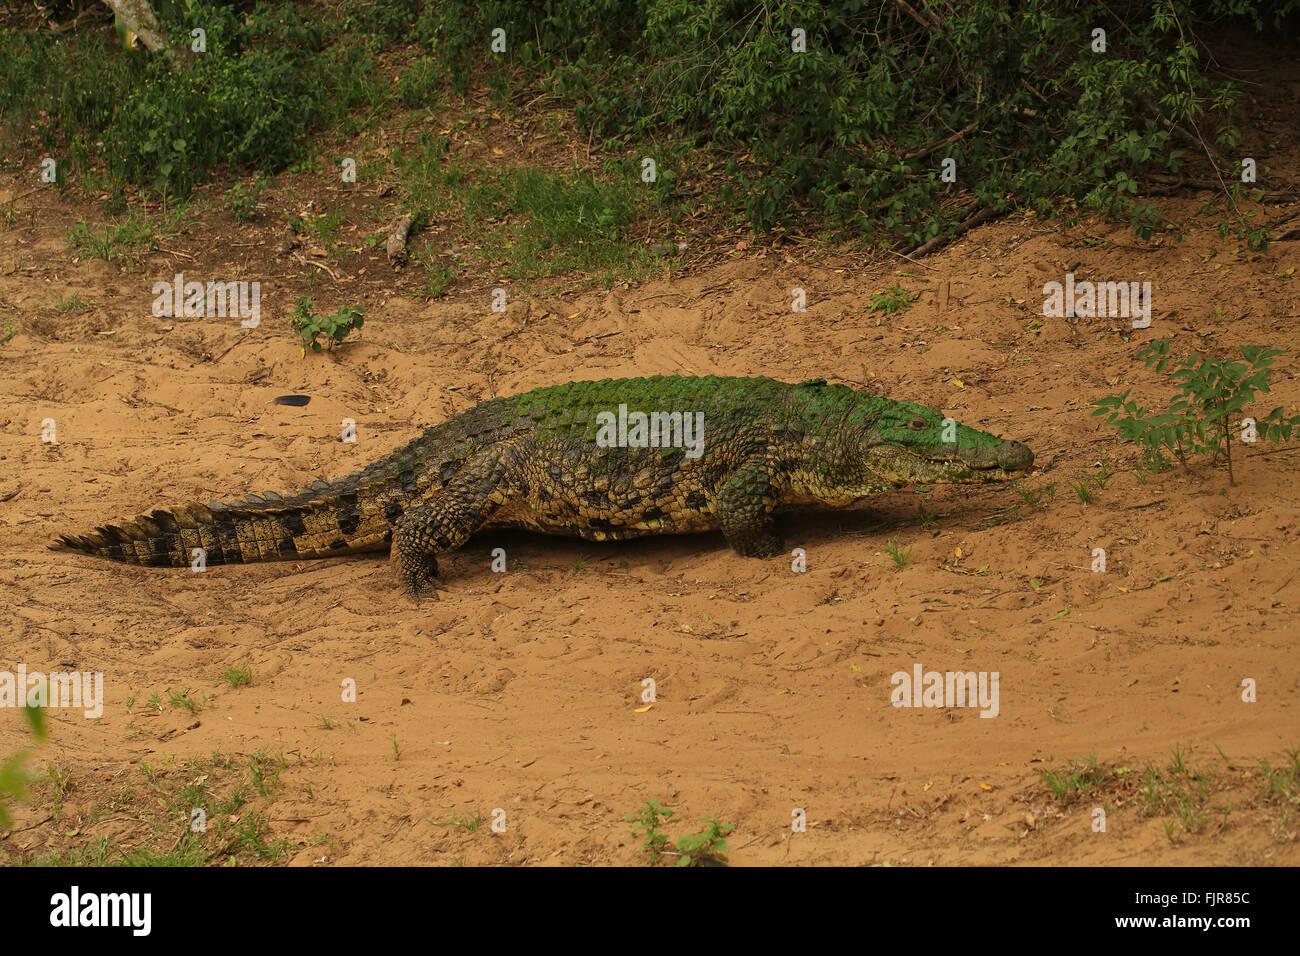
<point>910,444</point>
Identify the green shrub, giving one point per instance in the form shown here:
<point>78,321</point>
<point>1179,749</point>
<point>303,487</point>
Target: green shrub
<point>265,82</point>
<point>1204,417</point>
<point>855,129</point>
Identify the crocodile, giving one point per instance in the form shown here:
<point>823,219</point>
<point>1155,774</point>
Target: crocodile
<point>601,460</point>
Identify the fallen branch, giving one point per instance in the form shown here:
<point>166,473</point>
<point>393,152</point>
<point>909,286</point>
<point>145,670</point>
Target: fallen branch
<point>1289,232</point>
<point>926,19</point>
<point>966,225</point>
<point>940,144</point>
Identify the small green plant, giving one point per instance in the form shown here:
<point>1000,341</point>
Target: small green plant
<point>183,700</point>
<point>1082,490</point>
<point>898,552</point>
<point>1282,784</point>
<point>468,824</point>
<point>59,788</point>
<point>693,849</point>
<point>894,299</point>
<point>334,327</point>
<point>419,83</point>
<point>647,823</point>
<point>241,201</point>
<point>250,835</point>
<point>127,238</point>
<point>1178,792</point>
<point>1079,779</point>
<point>927,518</point>
<point>72,303</point>
<point>438,281</point>
<point>324,228</point>
<point>9,332</point>
<point>1202,419</point>
<point>1033,497</point>
<point>265,772</point>
<point>709,844</point>
<point>1103,475</point>
<point>13,772</point>
<point>238,676</point>
<point>308,165</point>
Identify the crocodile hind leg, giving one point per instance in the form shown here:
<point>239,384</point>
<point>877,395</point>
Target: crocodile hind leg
<point>444,523</point>
<point>745,506</point>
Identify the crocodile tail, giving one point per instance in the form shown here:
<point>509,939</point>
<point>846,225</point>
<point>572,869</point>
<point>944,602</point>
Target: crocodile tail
<point>317,522</point>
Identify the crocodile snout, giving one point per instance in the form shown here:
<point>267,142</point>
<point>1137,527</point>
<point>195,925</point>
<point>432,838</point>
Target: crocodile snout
<point>1014,456</point>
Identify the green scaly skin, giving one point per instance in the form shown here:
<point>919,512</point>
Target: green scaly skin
<point>533,461</point>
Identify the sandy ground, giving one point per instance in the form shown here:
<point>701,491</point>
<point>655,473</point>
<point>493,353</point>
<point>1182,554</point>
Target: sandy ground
<point>522,692</point>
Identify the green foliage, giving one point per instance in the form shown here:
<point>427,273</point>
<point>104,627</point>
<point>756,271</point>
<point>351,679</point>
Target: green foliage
<point>266,80</point>
<point>647,822</point>
<point>1176,791</point>
<point>1283,784</point>
<point>127,238</point>
<point>854,130</point>
<point>13,772</point>
<point>692,849</point>
<point>530,222</point>
<point>1034,496</point>
<point>1203,417</point>
<point>242,202</point>
<point>710,844</point>
<point>1079,779</point>
<point>334,327</point>
<point>851,133</point>
<point>894,299</point>
<point>438,277</point>
<point>419,84</point>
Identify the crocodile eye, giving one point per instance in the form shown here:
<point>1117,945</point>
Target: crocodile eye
<point>918,425</point>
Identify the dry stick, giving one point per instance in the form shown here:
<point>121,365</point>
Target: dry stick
<point>28,193</point>
<point>1198,140</point>
<point>938,242</point>
<point>929,21</point>
<point>940,144</point>
<point>1289,231</point>
<point>228,348</point>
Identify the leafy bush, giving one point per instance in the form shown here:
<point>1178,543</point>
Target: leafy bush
<point>264,83</point>
<point>1202,420</point>
<point>855,129</point>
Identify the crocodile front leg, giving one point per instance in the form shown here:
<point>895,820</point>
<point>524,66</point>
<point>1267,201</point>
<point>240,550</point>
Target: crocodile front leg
<point>745,506</point>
